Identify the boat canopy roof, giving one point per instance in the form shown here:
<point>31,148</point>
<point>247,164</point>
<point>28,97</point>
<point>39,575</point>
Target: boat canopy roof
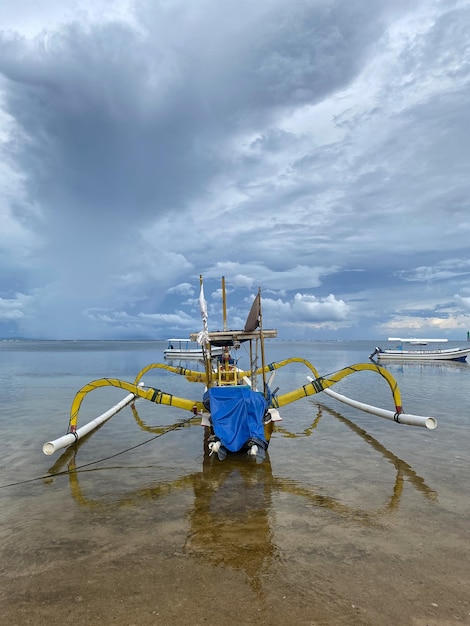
<point>231,337</point>
<point>185,339</point>
<point>416,340</point>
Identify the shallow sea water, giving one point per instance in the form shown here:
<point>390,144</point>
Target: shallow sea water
<point>352,519</point>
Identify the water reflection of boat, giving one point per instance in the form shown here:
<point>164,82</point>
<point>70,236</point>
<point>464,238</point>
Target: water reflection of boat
<point>429,367</point>
<point>238,406</point>
<point>234,494</point>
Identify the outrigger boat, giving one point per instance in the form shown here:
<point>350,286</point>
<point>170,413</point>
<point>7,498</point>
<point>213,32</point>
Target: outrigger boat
<point>238,407</point>
<point>400,353</point>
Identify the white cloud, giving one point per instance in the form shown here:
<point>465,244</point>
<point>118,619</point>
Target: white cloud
<point>15,308</point>
<point>183,289</point>
<point>308,311</point>
<point>464,301</point>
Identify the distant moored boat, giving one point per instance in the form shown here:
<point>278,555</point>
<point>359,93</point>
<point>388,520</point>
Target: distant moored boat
<point>401,354</point>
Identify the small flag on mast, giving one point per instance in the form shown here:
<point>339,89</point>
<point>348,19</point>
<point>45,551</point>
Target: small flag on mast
<point>203,336</point>
<point>252,321</point>
<point>203,303</point>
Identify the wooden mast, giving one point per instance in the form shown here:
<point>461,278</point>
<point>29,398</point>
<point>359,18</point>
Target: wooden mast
<point>224,304</point>
<point>261,337</point>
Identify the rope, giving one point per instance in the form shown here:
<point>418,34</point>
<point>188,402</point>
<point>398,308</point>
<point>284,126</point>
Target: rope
<point>106,458</point>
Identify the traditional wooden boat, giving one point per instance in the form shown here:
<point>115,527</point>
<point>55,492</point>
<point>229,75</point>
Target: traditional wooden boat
<point>400,353</point>
<point>182,349</point>
<point>238,407</point>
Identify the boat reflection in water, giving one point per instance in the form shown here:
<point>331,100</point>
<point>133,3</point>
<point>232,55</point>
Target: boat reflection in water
<point>230,519</point>
<point>428,367</point>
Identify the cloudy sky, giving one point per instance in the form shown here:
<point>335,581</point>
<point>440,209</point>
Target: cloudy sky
<point>318,149</point>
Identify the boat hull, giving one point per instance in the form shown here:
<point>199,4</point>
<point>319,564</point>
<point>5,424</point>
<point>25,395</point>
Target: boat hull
<point>452,354</point>
<point>182,354</point>
<point>189,354</point>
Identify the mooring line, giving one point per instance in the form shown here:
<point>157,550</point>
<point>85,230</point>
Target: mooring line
<point>106,458</point>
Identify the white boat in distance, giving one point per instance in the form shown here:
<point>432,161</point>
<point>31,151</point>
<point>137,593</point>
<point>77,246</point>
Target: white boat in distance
<point>401,354</point>
<point>186,349</point>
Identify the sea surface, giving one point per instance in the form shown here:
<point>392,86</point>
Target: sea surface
<point>351,519</point>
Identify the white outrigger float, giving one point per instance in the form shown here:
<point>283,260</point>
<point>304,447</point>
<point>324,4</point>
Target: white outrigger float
<point>239,412</point>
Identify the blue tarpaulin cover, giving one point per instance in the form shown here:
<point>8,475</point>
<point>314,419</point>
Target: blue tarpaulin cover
<point>237,416</point>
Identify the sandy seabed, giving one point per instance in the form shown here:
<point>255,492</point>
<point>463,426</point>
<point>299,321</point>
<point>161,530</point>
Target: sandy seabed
<point>141,589</point>
<point>315,573</point>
